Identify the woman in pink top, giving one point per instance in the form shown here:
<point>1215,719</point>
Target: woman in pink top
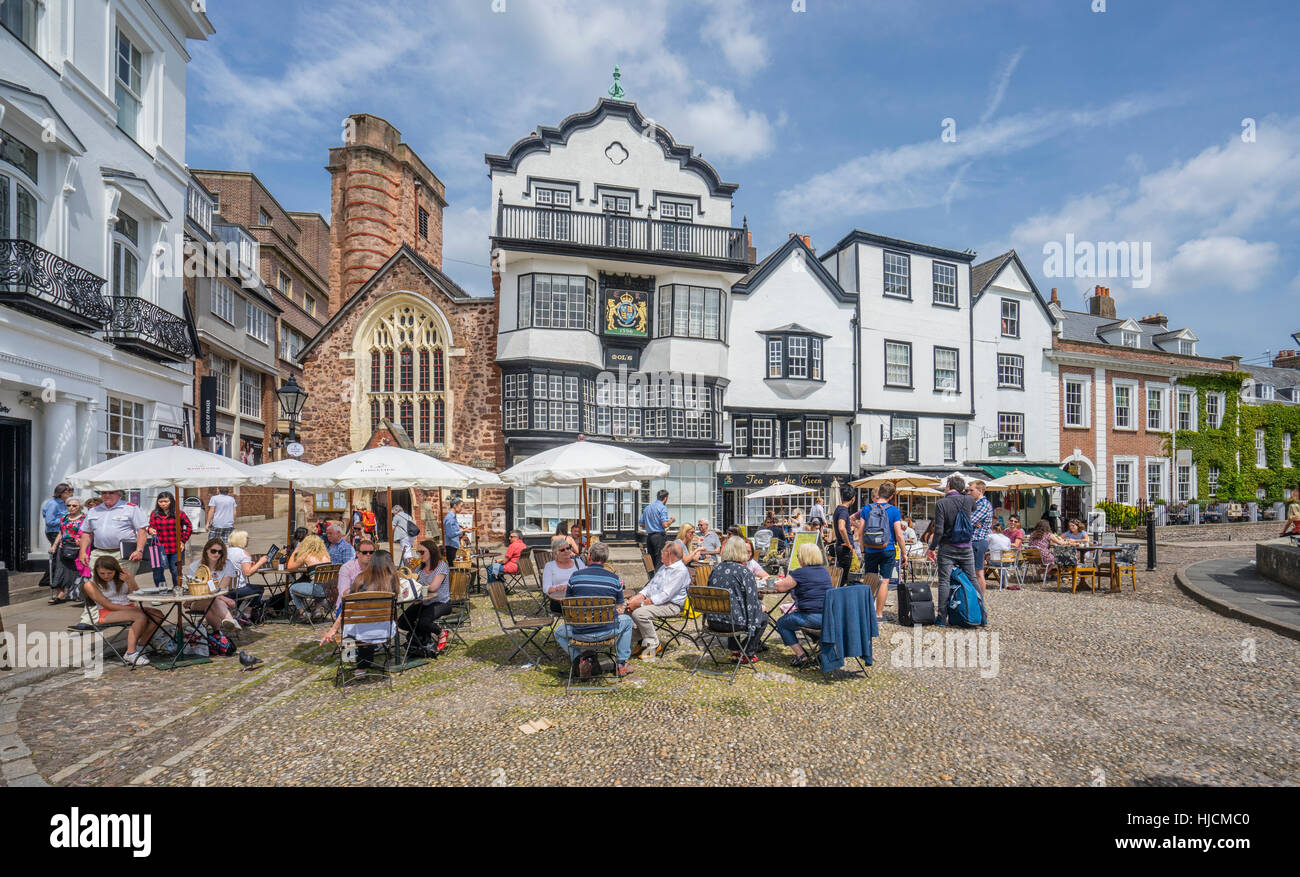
<point>497,571</point>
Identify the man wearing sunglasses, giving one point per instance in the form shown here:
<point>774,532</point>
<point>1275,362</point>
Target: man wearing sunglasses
<point>349,571</point>
<point>111,523</point>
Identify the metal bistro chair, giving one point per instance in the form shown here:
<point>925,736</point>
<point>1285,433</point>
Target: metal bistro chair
<point>585,612</point>
<point>369,607</point>
<point>1031,558</point>
<point>716,601</point>
<point>1126,565</point>
<point>521,632</point>
<point>1108,538</point>
<point>106,632</point>
<point>677,626</point>
<point>812,636</point>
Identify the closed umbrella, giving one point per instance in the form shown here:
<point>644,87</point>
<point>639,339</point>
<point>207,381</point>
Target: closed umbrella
<point>578,463</point>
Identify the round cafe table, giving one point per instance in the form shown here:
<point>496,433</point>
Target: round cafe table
<point>172,603</point>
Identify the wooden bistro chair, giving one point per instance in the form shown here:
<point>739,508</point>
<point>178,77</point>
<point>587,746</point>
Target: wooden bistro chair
<point>671,629</point>
<point>541,557</point>
<point>1126,565</point>
<point>1068,565</point>
<point>458,597</point>
<point>649,563</point>
<point>716,601</point>
<point>369,607</point>
<point>522,632</point>
<point>528,580</point>
<point>326,575</point>
<point>587,611</point>
<point>837,573</point>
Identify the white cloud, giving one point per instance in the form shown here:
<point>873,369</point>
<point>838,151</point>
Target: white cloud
<point>998,87</point>
<point>729,27</point>
<point>912,175</point>
<point>1210,219</point>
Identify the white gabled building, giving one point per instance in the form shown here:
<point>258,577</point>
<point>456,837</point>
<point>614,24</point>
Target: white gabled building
<point>95,344</point>
<point>789,398</point>
<point>1016,397</point>
<point>914,350</point>
<point>615,252</point>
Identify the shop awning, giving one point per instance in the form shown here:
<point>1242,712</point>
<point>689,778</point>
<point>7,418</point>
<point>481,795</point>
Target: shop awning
<point>1053,472</point>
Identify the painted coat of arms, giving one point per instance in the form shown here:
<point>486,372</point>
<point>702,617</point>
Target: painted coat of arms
<point>626,313</point>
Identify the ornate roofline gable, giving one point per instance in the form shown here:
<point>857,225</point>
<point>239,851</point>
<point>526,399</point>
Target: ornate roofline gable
<point>605,108</point>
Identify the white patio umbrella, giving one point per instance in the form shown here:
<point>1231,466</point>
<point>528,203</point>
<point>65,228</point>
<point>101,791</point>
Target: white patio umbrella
<point>920,491</point>
<point>173,466</point>
<point>899,477</point>
<point>283,473</point>
<point>583,463</point>
<point>388,467</point>
<point>783,489</point>
<point>1019,480</point>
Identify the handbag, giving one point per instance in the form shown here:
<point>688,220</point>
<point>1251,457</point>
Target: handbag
<point>157,558</point>
<point>69,551</point>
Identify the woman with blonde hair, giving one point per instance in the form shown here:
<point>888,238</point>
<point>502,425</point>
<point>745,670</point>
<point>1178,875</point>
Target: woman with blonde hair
<point>809,582</point>
<point>687,536</point>
<point>245,566</point>
<point>309,553</point>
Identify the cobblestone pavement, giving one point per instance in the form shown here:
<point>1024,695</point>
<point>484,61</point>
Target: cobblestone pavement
<point>1120,689</point>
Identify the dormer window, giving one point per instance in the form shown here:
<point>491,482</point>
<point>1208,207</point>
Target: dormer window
<point>1129,339</point>
<point>1187,348</point>
<point>1265,392</point>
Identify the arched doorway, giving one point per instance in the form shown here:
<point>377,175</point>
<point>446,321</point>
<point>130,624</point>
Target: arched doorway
<point>1076,502</point>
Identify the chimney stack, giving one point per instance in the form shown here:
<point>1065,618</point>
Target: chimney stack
<point>1101,304</point>
<point>807,240</point>
<point>1287,359</point>
<point>1055,299</point>
<point>1155,320</point>
<point>750,252</point>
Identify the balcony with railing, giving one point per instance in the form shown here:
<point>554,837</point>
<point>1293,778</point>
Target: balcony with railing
<point>38,282</point>
<point>541,228</point>
<point>144,328</point>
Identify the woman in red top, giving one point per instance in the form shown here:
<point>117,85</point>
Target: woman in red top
<point>497,571</point>
<point>162,528</point>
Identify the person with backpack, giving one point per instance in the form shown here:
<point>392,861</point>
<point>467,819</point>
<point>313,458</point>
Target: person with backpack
<point>405,530</point>
<point>950,544</point>
<point>882,530</point>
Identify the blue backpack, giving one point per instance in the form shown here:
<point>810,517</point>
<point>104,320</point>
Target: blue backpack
<point>876,535</point>
<point>962,530</point>
<point>965,606</point>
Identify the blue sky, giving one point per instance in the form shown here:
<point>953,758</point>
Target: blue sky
<point>1122,125</point>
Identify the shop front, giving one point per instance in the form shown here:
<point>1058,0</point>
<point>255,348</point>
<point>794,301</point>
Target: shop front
<point>738,509</point>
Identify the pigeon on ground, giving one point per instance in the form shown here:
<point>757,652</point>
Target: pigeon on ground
<point>249,661</point>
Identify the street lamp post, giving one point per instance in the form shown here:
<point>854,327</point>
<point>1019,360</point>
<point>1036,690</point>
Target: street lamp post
<point>292,398</point>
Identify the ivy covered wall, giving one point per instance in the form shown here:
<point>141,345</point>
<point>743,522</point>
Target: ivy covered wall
<point>1235,439</point>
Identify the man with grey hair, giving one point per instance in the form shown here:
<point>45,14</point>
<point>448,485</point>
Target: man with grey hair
<point>710,544</point>
<point>663,597</point>
<point>597,580</point>
<point>404,531</point>
<point>340,549</point>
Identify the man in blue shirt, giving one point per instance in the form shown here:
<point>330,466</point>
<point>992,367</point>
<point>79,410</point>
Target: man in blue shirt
<point>451,530</point>
<point>655,520</point>
<point>340,549</point>
<point>879,559</point>
<point>52,512</point>
<point>596,580</point>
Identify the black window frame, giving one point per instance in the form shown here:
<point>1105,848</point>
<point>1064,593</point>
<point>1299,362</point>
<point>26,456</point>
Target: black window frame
<point>422,222</point>
<point>1021,385</point>
<point>934,287</point>
<point>934,366</point>
<point>884,275</point>
<point>911,364</point>
<point>738,449</point>
<point>775,438</point>
<point>668,293</point>
<point>591,303</point>
<point>949,427</point>
<point>914,452</point>
<point>816,353</point>
<point>1002,319</point>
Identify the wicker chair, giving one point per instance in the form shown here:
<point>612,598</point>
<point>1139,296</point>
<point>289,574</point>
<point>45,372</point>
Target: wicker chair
<point>587,611</point>
<point>715,601</point>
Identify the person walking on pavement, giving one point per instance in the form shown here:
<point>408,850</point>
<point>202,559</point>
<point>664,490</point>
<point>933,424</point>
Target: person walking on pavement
<point>221,514</point>
<point>110,524</point>
<point>452,530</point>
<point>981,524</point>
<point>67,546</point>
<point>405,530</point>
<point>52,513</point>
<point>882,533</point>
<point>950,545</point>
<point>655,520</point>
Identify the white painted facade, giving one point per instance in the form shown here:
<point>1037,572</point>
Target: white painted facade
<point>1013,372</point>
<point>926,327</point>
<point>94,187</point>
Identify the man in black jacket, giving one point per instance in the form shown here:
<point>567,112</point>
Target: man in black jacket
<point>942,548</point>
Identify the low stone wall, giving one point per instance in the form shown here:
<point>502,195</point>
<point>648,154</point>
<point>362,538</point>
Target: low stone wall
<point>1245,532</point>
<point>1280,561</point>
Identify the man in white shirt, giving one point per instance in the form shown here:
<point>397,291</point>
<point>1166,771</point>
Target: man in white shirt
<point>999,543</point>
<point>111,523</point>
<point>221,514</point>
<point>663,597</point>
<point>709,541</point>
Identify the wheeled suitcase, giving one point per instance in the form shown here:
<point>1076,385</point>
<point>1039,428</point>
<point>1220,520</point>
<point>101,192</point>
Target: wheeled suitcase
<point>915,604</point>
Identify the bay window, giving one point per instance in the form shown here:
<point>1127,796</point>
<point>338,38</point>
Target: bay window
<point>690,312</point>
<point>557,301</point>
<point>18,202</point>
<point>794,356</point>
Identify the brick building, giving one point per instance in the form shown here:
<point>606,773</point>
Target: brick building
<point>406,355</point>
<point>1120,399</point>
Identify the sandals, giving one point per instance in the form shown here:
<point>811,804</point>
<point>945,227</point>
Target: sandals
<point>801,662</point>
<point>56,601</point>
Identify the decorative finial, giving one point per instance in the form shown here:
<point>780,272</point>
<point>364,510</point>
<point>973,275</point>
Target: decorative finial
<point>616,91</point>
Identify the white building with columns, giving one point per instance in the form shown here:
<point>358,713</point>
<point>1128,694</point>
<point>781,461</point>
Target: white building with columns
<point>95,342</point>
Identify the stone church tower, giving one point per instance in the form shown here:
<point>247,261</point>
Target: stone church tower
<point>407,356</point>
